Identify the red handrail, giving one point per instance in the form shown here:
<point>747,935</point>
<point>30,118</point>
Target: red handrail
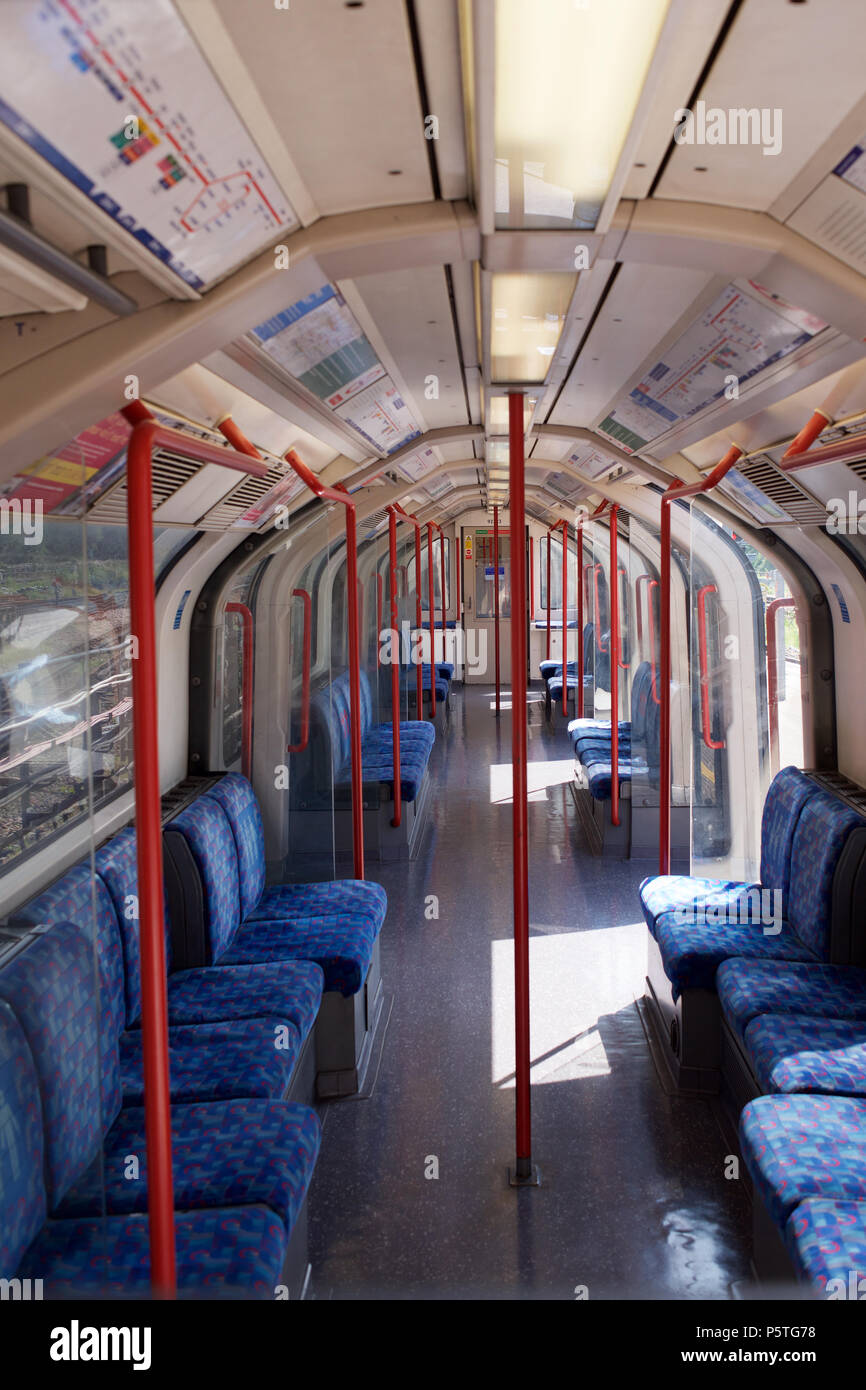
<point>431,606</point>
<point>496,598</point>
<point>597,569</point>
<point>520,847</point>
<point>548,594</point>
<point>531,579</point>
<point>706,721</point>
<point>773,678</point>
<point>320,490</point>
<point>395,672</point>
<point>652,584</point>
<point>247,688</point>
<point>305,677</point>
<point>442,585</point>
<point>675,491</point>
<point>580,599</point>
<point>564,525</point>
<point>419,675</point>
<point>379,595</point>
<point>614,667</point>
<point>623,594</point>
<point>458,569</point>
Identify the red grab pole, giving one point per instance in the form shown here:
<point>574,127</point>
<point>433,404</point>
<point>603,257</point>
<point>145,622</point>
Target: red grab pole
<point>531,578</point>
<point>247,694</point>
<point>548,594</point>
<point>431,606</point>
<point>148,838</point>
<point>442,586</point>
<point>496,599</point>
<point>332,494</point>
<point>675,491</point>
<point>419,675</point>
<point>613,644</point>
<point>395,670</point>
<point>564,524</point>
<point>579,530</point>
<point>520,854</point>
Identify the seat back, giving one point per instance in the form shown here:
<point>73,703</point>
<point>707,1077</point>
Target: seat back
<point>23,1201</point>
<point>789,791</point>
<point>117,867</point>
<point>202,847</point>
<point>51,988</point>
<point>641,694</point>
<point>824,824</point>
<point>240,804</point>
<point>81,898</point>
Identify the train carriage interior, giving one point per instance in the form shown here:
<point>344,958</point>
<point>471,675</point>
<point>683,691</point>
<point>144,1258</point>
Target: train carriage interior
<point>432,650</point>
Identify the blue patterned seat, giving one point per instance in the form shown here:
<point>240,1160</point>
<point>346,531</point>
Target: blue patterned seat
<point>827,1243</point>
<point>796,1147</point>
<point>224,834</point>
<point>240,1152</point>
<point>693,951</point>
<point>787,795</point>
<point>748,988</point>
<point>796,1053</point>
<point>332,705</point>
<point>221,1253</point>
<point>215,1061</point>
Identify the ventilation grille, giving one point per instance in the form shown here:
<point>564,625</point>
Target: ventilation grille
<point>248,492</point>
<point>843,787</point>
<point>859,469</point>
<point>173,801</point>
<point>782,489</point>
<point>170,472</point>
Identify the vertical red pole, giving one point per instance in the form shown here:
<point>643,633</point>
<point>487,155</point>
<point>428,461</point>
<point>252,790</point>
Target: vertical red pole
<point>419,669</point>
<point>579,530</point>
<point>432,608</point>
<point>458,569</point>
<point>148,837</point>
<point>565,619</point>
<point>442,584</point>
<point>614,667</point>
<point>531,578</point>
<point>548,595</point>
<point>395,670</point>
<point>496,598</point>
<point>355,694</point>
<point>520,854</point>
<point>665,692</point>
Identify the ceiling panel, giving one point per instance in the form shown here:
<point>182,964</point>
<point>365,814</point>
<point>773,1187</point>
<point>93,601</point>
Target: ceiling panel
<point>339,83</point>
<point>772,47</point>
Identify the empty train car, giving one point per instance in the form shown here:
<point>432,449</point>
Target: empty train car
<point>433,654</point>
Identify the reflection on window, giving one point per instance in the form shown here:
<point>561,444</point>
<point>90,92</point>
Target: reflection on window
<point>65,681</point>
<point>437,576</point>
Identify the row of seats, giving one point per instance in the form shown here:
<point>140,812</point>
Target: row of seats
<point>596,669</point>
<point>639,739</point>
<point>796,1017</point>
<point>71,1061</point>
<point>331,748</point>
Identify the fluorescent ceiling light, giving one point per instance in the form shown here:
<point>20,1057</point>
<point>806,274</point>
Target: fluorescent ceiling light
<point>527,314</point>
<point>569,75</point>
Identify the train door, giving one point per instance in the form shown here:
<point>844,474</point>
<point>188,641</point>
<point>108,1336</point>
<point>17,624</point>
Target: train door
<point>482,575</point>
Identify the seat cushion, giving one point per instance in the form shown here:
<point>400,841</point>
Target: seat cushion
<point>224,1252</point>
<point>377,765</point>
<point>411,731</point>
<point>804,1146</point>
<point>252,1058</point>
<point>682,895</point>
<point>288,990</point>
<point>794,1053</point>
<point>341,946</point>
<point>827,1242</point>
<point>748,988</point>
<point>599,775</point>
<point>338,897</point>
<point>692,954</point>
<point>234,1153</point>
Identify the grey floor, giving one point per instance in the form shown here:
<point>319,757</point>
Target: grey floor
<point>634,1202</point>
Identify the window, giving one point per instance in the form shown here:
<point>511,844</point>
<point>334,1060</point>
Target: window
<point>437,575</point>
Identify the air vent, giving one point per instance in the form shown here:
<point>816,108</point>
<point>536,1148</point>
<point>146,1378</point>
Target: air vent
<point>843,787</point>
<point>784,490</point>
<point>243,498</point>
<point>173,802</point>
<point>170,472</point>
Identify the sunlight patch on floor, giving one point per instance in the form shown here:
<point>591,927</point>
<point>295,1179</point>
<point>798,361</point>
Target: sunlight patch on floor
<point>539,777</point>
<point>577,979</point>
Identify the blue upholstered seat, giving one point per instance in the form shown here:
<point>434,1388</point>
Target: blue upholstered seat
<point>239,1152</point>
<point>787,795</point>
<point>799,1053</point>
<point>827,1243</point>
<point>749,988</point>
<point>803,836</point>
<point>213,1061</point>
<point>797,1147</point>
<point>223,831</point>
<point>332,705</point>
<point>221,1252</point>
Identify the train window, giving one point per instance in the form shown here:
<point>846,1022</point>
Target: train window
<point>437,575</point>
<point>65,678</point>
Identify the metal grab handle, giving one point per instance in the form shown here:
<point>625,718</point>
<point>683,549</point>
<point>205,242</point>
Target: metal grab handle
<point>305,679</point>
<point>651,584</point>
<point>247,687</point>
<point>623,614</point>
<point>597,608</point>
<point>706,728</point>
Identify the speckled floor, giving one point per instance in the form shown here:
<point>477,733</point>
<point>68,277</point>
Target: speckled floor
<point>634,1202</point>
